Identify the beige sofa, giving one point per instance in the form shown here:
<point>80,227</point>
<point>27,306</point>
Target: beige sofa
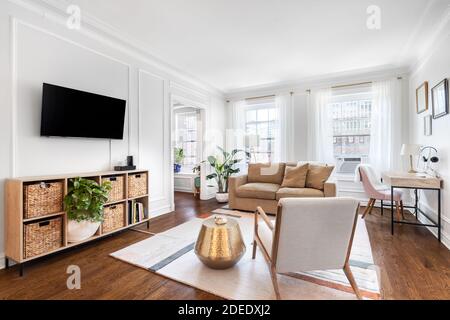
<point>263,188</point>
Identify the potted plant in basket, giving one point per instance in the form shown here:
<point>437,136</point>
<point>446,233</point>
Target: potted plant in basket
<point>84,206</point>
<point>224,166</point>
<point>179,158</point>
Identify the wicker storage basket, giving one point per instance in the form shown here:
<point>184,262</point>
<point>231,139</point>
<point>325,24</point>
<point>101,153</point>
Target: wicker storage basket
<point>117,192</point>
<point>114,218</point>
<point>41,199</point>
<point>42,236</point>
<point>137,185</point>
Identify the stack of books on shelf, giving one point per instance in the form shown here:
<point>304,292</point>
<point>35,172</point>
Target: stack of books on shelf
<point>136,212</point>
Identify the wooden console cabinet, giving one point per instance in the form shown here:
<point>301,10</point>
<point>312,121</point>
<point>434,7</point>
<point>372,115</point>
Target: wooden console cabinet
<point>16,221</point>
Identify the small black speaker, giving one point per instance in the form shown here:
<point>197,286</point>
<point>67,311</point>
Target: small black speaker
<point>130,161</point>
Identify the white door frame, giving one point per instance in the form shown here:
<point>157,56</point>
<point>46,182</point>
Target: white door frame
<point>174,98</point>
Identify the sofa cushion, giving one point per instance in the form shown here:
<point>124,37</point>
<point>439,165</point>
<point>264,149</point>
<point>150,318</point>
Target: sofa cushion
<point>317,176</point>
<point>294,164</point>
<point>295,177</point>
<point>317,163</point>
<point>258,191</point>
<point>299,193</point>
<point>266,172</point>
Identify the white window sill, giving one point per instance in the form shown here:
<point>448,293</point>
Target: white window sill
<point>185,174</point>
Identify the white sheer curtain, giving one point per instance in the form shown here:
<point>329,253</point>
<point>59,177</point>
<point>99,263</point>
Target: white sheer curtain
<point>386,128</point>
<point>283,145</point>
<point>235,136</point>
<point>283,135</point>
<point>320,127</point>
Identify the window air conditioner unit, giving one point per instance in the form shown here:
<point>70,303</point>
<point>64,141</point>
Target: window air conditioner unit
<point>347,165</point>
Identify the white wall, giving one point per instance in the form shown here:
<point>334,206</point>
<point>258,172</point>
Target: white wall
<point>36,47</point>
<point>434,68</point>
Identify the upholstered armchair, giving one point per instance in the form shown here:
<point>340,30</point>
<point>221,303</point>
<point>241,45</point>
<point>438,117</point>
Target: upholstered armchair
<point>307,235</point>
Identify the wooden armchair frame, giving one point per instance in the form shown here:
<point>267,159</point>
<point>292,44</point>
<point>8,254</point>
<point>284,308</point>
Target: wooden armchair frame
<point>272,259</point>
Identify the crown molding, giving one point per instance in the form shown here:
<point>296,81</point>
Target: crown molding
<point>55,10</point>
<point>181,88</point>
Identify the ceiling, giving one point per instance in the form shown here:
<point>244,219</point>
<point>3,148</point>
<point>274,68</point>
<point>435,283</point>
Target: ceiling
<point>231,44</point>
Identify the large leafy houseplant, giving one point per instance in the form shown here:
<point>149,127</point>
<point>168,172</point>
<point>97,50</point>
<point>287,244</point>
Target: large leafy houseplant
<point>85,200</point>
<point>224,166</point>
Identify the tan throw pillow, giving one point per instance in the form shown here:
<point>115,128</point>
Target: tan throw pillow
<point>295,177</point>
<point>317,176</point>
<point>266,173</point>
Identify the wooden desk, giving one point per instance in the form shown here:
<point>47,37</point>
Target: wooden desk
<point>414,181</point>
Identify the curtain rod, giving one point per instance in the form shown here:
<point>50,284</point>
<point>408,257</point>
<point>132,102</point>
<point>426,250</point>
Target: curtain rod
<point>262,97</point>
<point>352,84</point>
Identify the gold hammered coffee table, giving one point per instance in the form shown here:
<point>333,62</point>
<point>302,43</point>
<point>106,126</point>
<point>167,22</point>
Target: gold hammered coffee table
<point>220,244</point>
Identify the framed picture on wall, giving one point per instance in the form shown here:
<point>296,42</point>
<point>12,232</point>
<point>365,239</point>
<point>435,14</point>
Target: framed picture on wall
<point>428,126</point>
<point>439,99</point>
<point>422,98</point>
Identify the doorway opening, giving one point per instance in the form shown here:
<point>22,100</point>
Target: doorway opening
<point>187,141</point>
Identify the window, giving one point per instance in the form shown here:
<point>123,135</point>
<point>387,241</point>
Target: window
<point>262,120</point>
<point>187,129</point>
<point>351,129</point>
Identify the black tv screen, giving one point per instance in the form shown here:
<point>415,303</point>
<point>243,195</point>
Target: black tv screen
<point>73,113</point>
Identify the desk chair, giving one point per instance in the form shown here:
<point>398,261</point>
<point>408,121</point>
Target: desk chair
<point>376,190</point>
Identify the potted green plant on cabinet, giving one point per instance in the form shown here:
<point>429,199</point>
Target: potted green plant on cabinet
<point>84,206</point>
<point>224,166</point>
<point>179,158</point>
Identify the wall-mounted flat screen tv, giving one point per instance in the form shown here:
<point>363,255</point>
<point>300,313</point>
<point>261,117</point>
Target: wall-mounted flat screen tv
<point>73,113</point>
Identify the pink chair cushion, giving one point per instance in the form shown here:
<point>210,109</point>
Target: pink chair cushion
<point>387,195</point>
<point>378,192</point>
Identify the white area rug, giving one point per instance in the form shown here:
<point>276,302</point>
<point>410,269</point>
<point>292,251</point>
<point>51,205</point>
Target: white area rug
<point>171,254</point>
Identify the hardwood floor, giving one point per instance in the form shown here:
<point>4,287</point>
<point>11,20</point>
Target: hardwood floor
<point>413,265</point>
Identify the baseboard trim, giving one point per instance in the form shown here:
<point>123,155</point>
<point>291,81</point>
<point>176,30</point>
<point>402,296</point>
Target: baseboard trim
<point>160,211</point>
<point>445,238</point>
<point>184,190</point>
<point>351,191</point>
